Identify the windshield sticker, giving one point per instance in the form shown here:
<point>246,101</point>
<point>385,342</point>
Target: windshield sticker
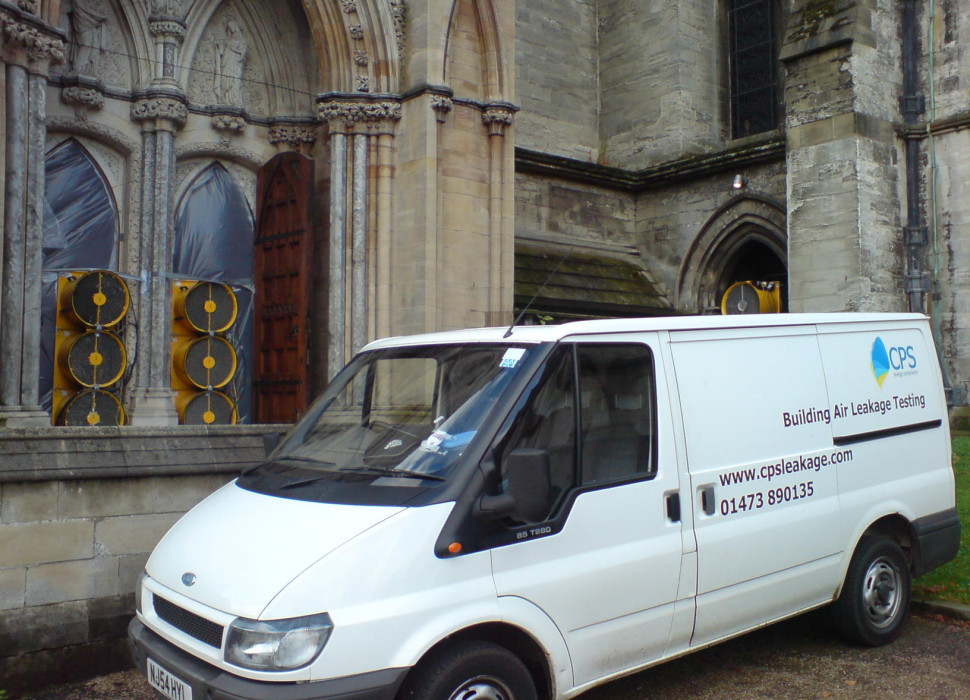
<point>511,358</point>
<point>433,441</point>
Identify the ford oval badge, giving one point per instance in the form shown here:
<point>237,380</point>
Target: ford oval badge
<point>188,578</point>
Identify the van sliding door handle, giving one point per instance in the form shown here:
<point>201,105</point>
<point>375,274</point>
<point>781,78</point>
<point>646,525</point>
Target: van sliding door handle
<point>708,502</point>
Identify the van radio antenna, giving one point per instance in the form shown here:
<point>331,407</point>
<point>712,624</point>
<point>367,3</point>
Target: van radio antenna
<point>539,291</point>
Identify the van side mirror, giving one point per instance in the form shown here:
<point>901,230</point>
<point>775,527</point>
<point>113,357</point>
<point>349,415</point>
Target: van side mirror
<point>528,489</point>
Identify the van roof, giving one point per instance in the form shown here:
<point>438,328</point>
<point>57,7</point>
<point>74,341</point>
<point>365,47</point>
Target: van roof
<point>553,333</point>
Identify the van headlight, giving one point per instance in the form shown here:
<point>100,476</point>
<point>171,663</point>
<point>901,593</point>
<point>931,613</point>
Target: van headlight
<point>277,645</point>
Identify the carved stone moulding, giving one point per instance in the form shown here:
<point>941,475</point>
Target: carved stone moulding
<point>26,35</point>
<point>399,15</point>
<point>83,97</point>
<point>293,136</point>
<point>229,123</point>
<point>358,116</point>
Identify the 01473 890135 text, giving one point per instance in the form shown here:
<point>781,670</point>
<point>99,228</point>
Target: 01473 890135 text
<point>778,495</point>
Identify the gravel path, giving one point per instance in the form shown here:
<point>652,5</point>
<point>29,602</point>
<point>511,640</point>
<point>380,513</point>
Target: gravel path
<point>800,658</point>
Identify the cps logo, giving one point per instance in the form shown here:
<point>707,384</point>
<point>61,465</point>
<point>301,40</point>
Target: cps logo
<point>898,357</point>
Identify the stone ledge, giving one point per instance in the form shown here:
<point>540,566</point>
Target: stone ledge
<point>40,454</point>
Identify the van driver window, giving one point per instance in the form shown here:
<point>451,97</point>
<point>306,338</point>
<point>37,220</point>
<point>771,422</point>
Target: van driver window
<point>613,405</point>
<point>617,412</point>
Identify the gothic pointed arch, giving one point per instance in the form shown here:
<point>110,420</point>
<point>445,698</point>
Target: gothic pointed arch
<point>473,64</point>
<point>213,239</point>
<point>248,55</point>
<point>748,237</point>
<point>107,47</point>
<point>80,232</point>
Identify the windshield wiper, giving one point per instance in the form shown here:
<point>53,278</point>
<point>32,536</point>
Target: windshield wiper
<point>392,471</point>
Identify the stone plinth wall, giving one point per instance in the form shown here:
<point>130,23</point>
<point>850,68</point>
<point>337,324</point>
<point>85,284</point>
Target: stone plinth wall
<point>80,512</point>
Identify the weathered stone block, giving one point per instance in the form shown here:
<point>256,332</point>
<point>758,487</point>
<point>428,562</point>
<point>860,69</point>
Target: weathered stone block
<point>129,568</point>
<point>108,497</point>
<point>43,627</point>
<point>28,502</point>
<point>13,586</point>
<point>132,534</point>
<point>74,580</point>
<point>34,543</point>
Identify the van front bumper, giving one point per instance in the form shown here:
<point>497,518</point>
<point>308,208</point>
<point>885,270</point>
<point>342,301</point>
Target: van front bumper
<point>211,683</point>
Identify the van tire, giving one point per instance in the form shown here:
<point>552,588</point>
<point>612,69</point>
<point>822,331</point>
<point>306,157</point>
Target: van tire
<point>470,670</point>
<point>875,596</point>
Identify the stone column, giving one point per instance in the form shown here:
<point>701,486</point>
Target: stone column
<point>28,48</point>
<point>843,202</point>
<point>151,395</point>
<point>498,119</point>
<point>168,33</point>
<point>356,129</point>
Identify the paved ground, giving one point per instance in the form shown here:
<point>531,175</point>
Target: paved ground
<point>796,659</point>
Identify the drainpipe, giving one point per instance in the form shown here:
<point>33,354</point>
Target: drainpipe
<point>912,105</point>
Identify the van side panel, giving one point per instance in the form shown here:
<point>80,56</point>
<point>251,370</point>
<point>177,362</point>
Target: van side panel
<point>762,470</point>
<point>889,410</point>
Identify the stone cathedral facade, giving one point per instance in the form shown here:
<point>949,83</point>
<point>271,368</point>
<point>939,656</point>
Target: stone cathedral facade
<point>352,169</point>
<point>333,171</point>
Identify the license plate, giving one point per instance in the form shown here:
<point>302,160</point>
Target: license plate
<point>167,684</point>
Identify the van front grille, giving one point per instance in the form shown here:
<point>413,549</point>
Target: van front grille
<point>205,631</point>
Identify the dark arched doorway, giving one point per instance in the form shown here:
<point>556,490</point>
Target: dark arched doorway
<point>744,240</point>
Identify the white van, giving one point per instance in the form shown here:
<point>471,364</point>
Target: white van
<point>495,515</point>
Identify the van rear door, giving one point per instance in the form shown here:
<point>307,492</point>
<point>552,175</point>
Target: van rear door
<point>757,426</point>
<point>890,414</point>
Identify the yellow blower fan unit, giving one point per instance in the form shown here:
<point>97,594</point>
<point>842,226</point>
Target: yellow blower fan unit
<point>752,298</point>
<point>89,352</point>
<point>203,359</point>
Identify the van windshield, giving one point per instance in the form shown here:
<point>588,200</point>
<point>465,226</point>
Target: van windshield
<point>394,415</point>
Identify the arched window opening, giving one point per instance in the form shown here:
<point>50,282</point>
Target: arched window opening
<point>80,233</point>
<point>214,242</point>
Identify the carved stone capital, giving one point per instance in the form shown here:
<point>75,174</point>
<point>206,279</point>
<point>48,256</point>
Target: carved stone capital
<point>344,116</point>
<point>497,118</point>
<point>167,28</point>
<point>160,108</point>
<point>441,105</point>
<point>36,46</point>
<point>83,97</point>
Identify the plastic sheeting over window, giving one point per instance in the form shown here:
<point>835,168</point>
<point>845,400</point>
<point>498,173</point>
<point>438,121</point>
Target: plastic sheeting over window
<point>214,242</point>
<point>80,233</point>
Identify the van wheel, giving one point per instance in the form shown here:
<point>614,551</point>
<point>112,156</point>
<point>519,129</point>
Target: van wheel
<point>470,671</point>
<point>876,593</point>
